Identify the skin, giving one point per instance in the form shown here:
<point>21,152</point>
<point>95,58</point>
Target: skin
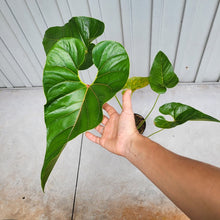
<point>193,186</point>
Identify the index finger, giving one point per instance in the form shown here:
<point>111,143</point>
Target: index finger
<point>109,109</point>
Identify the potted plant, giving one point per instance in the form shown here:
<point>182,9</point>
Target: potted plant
<point>74,107</point>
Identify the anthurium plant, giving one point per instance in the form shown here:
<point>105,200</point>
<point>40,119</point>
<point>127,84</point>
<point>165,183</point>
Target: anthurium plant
<point>74,107</point>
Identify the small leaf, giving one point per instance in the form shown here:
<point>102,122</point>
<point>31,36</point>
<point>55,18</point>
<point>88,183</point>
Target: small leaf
<point>85,29</point>
<point>135,83</point>
<point>181,113</point>
<point>73,107</point>
<point>162,75</point>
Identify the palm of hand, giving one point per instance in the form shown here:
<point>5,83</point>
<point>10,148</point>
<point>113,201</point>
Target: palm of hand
<point>118,130</point>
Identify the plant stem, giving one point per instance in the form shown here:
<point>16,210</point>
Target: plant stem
<point>149,112</point>
<point>155,132</point>
<point>118,101</point>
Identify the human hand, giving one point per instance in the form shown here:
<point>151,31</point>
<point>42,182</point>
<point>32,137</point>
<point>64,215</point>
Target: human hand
<point>119,130</point>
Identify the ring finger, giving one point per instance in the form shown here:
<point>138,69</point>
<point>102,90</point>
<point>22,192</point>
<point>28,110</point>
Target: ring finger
<point>100,129</point>
<point>104,120</point>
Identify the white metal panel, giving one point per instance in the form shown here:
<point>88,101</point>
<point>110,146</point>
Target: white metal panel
<point>64,10</point>
<point>187,31</point>
<point>14,65</point>
<point>136,22</point>
<point>126,16</point>
<point>141,36</point>
<point>12,76</point>
<point>209,69</point>
<point>32,35</point>
<point>195,29</point>
<point>77,9</point>
<point>4,81</point>
<point>12,26</point>
<point>37,16</point>
<point>2,85</point>
<point>9,39</point>
<point>167,15</point>
<point>96,13</point>
<point>112,18</point>
<point>50,12</point>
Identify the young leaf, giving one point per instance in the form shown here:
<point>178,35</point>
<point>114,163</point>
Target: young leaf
<point>181,113</point>
<point>84,28</point>
<point>162,75</point>
<point>73,107</point>
<point>135,83</point>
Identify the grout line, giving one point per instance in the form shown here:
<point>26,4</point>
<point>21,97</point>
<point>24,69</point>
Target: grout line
<point>22,88</point>
<point>206,42</point>
<point>199,84</point>
<point>77,177</point>
<point>180,30</point>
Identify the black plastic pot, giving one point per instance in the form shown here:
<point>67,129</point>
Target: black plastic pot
<point>139,119</point>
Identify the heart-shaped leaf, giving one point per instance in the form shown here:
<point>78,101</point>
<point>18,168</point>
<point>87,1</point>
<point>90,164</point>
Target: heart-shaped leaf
<point>135,83</point>
<point>162,75</point>
<point>84,28</point>
<point>73,107</point>
<point>181,113</point>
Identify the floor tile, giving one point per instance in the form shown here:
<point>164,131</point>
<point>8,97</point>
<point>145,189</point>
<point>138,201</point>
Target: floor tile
<point>109,187</point>
<point>22,147</point>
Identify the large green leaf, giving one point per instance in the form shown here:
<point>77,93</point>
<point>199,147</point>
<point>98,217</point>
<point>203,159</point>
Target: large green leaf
<point>84,28</point>
<point>181,113</point>
<point>135,83</point>
<point>162,75</point>
<point>73,107</point>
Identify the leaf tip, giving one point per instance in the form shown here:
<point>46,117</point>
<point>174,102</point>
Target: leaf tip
<point>42,184</point>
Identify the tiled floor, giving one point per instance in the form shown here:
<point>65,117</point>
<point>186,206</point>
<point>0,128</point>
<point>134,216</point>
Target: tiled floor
<point>109,187</point>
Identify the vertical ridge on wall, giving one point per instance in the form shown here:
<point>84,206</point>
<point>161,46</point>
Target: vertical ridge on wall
<point>179,32</point>
<point>30,33</point>
<point>9,57</point>
<point>195,28</point>
<point>210,59</point>
<point>126,18</point>
<point>187,31</point>
<point>206,42</point>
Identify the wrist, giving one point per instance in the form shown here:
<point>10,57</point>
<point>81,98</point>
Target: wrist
<point>135,142</point>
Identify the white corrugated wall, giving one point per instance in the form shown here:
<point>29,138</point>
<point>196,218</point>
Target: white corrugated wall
<point>187,31</point>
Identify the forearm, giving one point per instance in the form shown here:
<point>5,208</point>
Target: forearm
<point>193,186</point>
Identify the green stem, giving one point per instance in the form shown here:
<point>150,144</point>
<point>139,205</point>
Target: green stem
<point>118,101</point>
<point>155,132</point>
<point>149,112</point>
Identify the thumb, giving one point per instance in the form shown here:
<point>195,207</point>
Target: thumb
<point>126,102</point>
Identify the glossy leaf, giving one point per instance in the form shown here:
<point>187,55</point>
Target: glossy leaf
<point>181,113</point>
<point>162,75</point>
<point>85,29</point>
<point>73,107</point>
<point>135,83</point>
